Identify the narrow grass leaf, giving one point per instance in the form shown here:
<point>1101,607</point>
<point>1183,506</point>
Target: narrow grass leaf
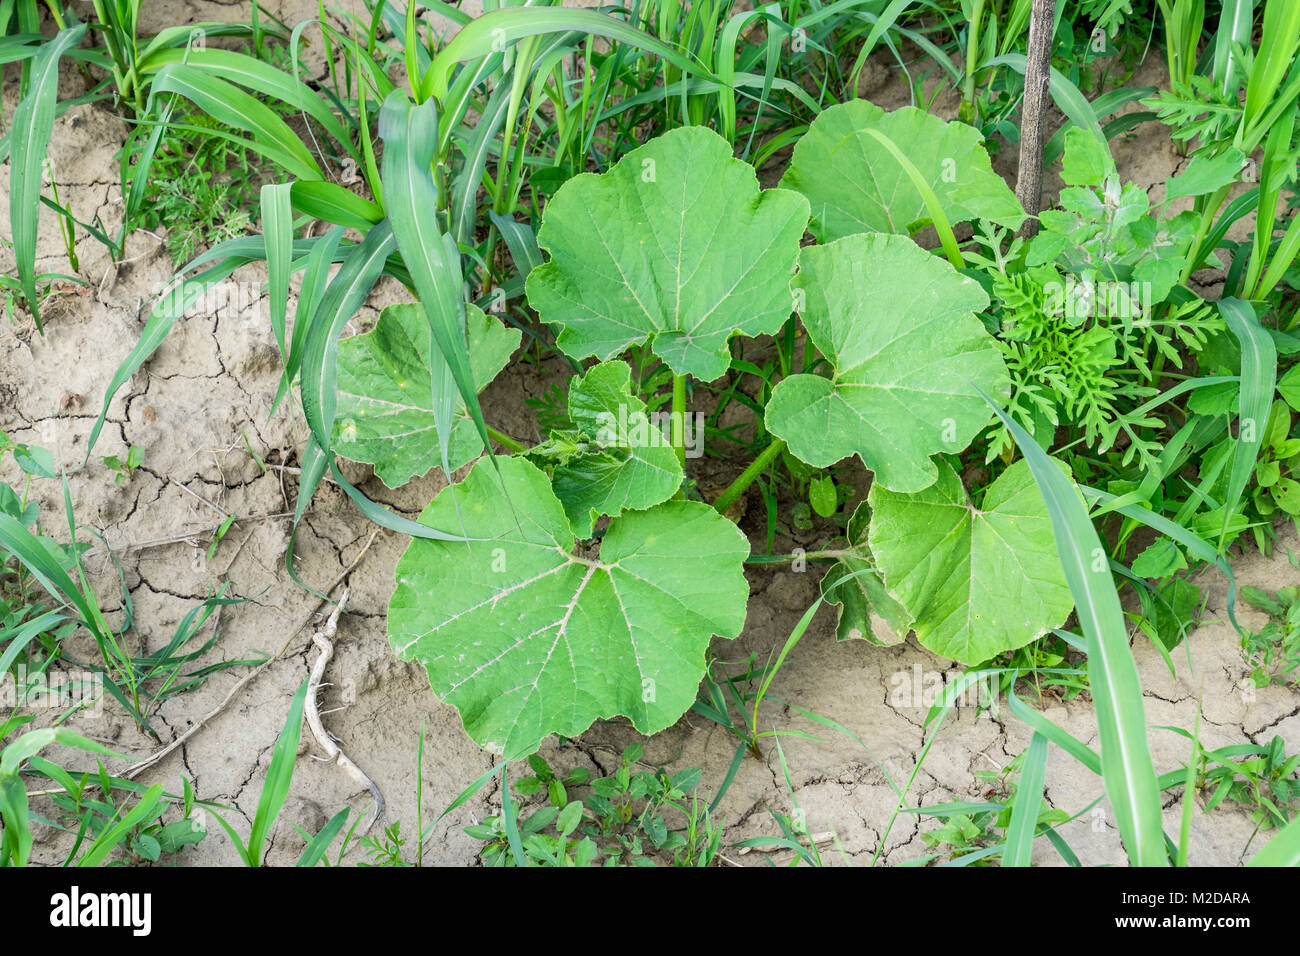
<point>174,303</point>
<point>145,810</point>
<point>343,296</point>
<point>410,134</point>
<point>334,204</point>
<point>277,228</point>
<point>1258,380</point>
<point>494,30</point>
<point>253,74</point>
<point>312,853</point>
<point>278,777</point>
<point>269,135</point>
<point>520,240</point>
<point>1024,811</point>
<point>1054,733</point>
<point>33,123</point>
<point>1127,770</point>
<point>1282,850</point>
<point>1068,98</point>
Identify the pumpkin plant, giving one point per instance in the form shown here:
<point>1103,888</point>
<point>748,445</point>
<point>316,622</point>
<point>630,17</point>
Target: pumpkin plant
<point>587,582</point>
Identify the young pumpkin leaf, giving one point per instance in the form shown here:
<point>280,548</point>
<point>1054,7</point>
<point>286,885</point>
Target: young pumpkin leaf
<point>976,582</point>
<point>904,356</point>
<point>385,413</point>
<point>853,583</point>
<point>855,185</point>
<point>634,466</point>
<point>526,638</point>
<point>675,245</point>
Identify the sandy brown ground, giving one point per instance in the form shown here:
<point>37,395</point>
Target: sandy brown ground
<point>209,390</point>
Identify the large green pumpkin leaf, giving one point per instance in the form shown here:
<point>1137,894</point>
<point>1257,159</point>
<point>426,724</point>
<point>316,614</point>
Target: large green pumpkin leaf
<point>526,638</point>
<point>855,185</point>
<point>676,245</point>
<point>898,327</point>
<point>865,610</point>
<point>385,412</point>
<point>976,582</point>
<point>630,464</point>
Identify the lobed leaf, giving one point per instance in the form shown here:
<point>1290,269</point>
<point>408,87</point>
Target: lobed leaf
<point>675,245</point>
<point>903,353</point>
<point>854,584</point>
<point>385,413</point>
<point>633,466</point>
<point>976,582</point>
<point>526,638</point>
<point>855,185</point>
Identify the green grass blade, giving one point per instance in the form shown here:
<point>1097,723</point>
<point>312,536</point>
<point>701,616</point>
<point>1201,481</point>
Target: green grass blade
<point>1194,544</point>
<point>226,103</point>
<point>511,819</point>
<point>253,74</point>
<point>334,204</point>
<point>21,636</point>
<point>1235,22</point>
<point>520,240</point>
<point>1054,733</point>
<point>410,134</point>
<point>232,833</point>
<point>315,462</point>
<point>314,278</point>
<point>1258,380</point>
<point>885,22</point>
<point>344,295</point>
<point>494,30</point>
<point>388,519</point>
<point>43,566</point>
<point>1282,850</point>
<point>1068,98</point>
<point>1279,38</point>
<point>139,174</point>
<point>937,216</point>
<point>1024,812</point>
<point>312,853</point>
<point>1126,766</point>
<point>278,777</point>
<point>175,302</point>
<point>146,809</point>
<point>33,123</point>
<point>462,214</point>
<point>16,836</point>
<point>277,228</point>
